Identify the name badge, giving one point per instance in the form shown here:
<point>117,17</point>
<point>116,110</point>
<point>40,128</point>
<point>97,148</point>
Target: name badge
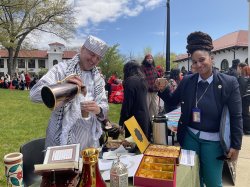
<point>196,113</point>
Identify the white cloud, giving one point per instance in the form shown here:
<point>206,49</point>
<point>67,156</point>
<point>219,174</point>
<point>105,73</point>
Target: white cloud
<point>89,13</point>
<point>160,33</point>
<point>41,40</point>
<point>153,3</point>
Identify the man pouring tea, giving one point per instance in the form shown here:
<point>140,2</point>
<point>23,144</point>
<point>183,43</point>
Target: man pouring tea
<point>66,124</point>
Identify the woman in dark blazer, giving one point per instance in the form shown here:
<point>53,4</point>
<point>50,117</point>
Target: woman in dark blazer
<point>135,98</point>
<point>202,96</point>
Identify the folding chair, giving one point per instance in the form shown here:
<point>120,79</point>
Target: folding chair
<point>32,154</point>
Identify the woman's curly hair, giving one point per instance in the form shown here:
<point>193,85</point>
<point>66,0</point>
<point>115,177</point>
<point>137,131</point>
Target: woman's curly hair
<point>199,41</point>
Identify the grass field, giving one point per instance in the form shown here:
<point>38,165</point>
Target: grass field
<point>22,120</point>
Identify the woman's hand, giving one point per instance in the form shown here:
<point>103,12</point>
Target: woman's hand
<point>161,83</point>
<point>233,154</point>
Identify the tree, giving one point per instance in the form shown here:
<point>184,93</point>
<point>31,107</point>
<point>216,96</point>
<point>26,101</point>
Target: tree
<point>42,72</point>
<point>112,62</point>
<point>160,59</point>
<point>19,18</point>
<point>147,50</point>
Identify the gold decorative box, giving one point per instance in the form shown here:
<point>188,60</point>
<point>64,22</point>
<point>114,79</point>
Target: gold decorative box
<point>158,165</point>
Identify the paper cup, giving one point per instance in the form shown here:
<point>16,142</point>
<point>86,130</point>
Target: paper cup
<point>85,114</point>
<point>14,169</point>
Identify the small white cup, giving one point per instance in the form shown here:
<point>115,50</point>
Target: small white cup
<point>14,168</point>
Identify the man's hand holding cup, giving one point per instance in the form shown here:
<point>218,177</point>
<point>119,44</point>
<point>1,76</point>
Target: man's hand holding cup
<point>89,106</point>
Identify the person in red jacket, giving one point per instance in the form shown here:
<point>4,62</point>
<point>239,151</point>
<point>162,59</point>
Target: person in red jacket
<point>111,81</point>
<point>27,80</point>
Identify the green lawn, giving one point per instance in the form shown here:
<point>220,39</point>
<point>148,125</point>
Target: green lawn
<point>22,120</point>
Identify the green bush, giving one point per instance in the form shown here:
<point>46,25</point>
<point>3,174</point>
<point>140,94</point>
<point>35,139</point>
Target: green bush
<point>42,72</point>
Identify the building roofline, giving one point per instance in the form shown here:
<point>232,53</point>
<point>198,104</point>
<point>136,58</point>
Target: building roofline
<point>236,39</point>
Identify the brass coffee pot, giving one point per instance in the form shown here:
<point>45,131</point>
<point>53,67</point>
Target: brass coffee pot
<point>58,94</point>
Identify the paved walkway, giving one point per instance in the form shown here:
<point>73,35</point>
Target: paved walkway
<point>243,166</point>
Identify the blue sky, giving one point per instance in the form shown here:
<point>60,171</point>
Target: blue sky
<point>138,24</point>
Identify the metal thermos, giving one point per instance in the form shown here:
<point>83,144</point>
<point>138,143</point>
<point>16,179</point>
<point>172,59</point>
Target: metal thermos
<point>55,95</point>
<point>160,130</point>
<point>58,94</point>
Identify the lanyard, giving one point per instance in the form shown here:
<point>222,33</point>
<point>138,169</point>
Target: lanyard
<point>197,101</point>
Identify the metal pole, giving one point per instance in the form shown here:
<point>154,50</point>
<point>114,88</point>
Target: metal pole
<point>168,41</point>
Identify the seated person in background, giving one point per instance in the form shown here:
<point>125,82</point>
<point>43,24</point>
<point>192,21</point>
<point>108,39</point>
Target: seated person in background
<point>1,83</point>
<point>15,83</point>
<point>21,85</point>
<point>33,82</point>
<point>5,83</point>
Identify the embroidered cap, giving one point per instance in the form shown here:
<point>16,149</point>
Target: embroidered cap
<point>96,45</point>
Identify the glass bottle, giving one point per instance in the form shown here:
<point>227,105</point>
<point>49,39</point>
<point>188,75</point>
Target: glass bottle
<point>91,176</point>
<point>53,178</point>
